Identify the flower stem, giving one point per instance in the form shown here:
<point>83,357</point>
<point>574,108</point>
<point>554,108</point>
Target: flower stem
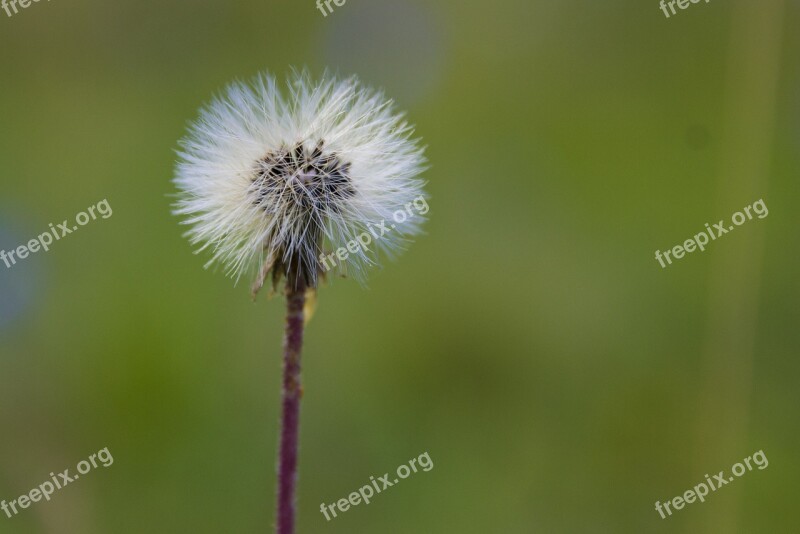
<point>292,392</point>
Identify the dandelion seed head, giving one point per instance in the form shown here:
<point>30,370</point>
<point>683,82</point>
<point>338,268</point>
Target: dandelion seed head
<point>269,181</point>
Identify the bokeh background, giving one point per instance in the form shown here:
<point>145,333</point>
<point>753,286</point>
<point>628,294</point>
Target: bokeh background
<point>559,378</point>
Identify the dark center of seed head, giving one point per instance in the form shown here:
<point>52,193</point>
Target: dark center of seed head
<point>313,178</point>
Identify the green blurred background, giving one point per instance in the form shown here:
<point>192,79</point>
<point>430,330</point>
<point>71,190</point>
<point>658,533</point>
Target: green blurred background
<point>559,378</point>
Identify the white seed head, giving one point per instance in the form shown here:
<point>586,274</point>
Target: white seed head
<point>280,181</point>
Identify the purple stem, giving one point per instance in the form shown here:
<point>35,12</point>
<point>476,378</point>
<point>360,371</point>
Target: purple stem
<point>292,392</point>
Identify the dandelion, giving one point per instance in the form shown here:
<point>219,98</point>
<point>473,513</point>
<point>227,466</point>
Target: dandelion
<point>269,181</point>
